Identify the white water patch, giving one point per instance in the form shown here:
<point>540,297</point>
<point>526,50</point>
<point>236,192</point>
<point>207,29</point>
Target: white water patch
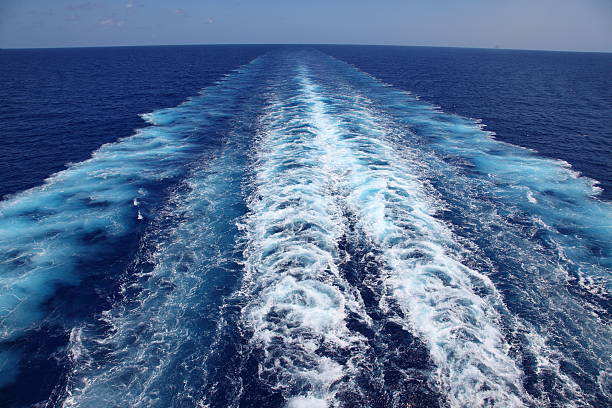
<point>53,235</point>
<point>538,221</point>
<point>150,336</point>
<point>548,363</point>
<point>531,198</point>
<point>48,233</point>
<point>299,301</point>
<point>561,196</point>
<point>449,305</point>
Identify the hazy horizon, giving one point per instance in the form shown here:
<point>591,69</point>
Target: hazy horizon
<point>547,25</point>
<point>299,44</point>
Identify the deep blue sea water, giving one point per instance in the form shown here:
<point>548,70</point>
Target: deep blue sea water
<point>268,226</point>
<point>557,103</point>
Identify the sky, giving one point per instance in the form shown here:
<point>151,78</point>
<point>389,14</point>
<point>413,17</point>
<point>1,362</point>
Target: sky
<point>577,25</point>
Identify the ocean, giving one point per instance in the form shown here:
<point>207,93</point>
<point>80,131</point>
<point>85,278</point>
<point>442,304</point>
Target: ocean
<point>305,226</point>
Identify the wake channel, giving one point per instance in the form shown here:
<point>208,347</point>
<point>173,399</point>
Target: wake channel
<point>300,301</point>
<point>340,243</point>
<point>450,306</point>
<point>151,347</point>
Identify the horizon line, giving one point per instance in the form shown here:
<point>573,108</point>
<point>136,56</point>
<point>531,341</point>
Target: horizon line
<point>301,44</point>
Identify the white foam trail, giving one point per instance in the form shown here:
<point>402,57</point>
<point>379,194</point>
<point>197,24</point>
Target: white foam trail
<point>151,334</point>
<point>449,305</point>
<point>300,302</point>
<point>46,232</point>
<point>547,236</point>
<point>150,348</point>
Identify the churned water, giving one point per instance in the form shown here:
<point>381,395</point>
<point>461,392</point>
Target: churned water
<point>292,226</point>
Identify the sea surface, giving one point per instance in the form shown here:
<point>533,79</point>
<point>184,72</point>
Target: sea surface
<point>305,226</point>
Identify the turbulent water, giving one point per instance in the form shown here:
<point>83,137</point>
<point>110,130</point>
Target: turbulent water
<point>338,242</point>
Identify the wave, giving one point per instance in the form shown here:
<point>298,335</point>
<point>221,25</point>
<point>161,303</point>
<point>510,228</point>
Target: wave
<point>442,298</point>
<point>320,239</point>
<point>299,301</point>
<point>170,311</point>
<point>527,222</point>
<point>171,304</point>
<point>89,215</point>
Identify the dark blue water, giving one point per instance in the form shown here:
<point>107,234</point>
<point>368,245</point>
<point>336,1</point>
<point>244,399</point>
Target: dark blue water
<point>557,103</point>
<point>59,105</point>
<point>288,229</point>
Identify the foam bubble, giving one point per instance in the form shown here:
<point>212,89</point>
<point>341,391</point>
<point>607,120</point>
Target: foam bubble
<point>435,289</point>
<point>544,255</point>
<point>55,235</point>
<point>302,402</point>
<point>150,333</point>
<point>300,302</point>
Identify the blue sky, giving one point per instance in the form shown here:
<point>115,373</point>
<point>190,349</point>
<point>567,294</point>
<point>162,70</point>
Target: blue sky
<point>582,25</point>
